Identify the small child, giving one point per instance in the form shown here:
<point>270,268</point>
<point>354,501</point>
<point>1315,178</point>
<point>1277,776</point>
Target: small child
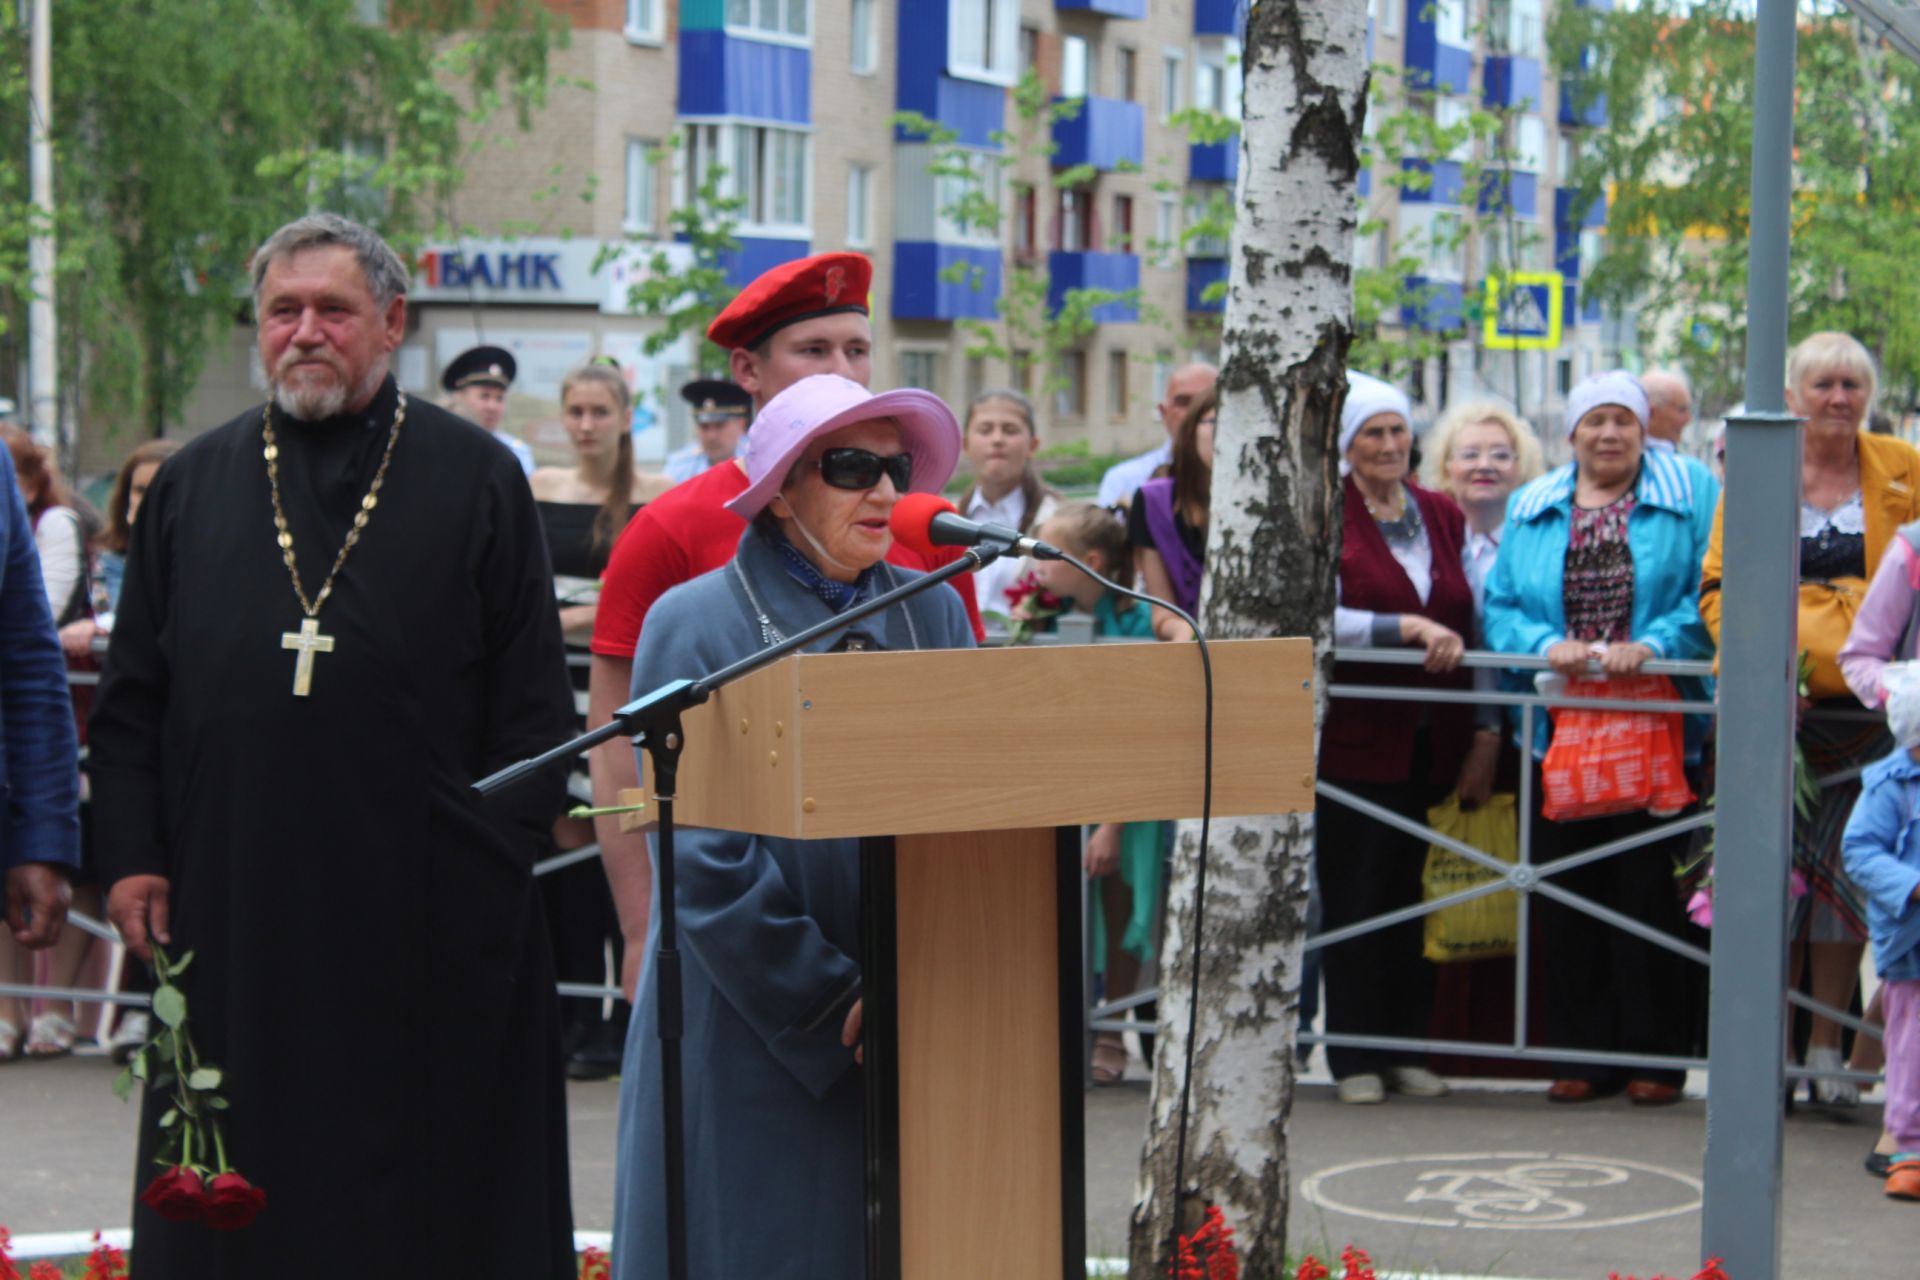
<point>1123,927</point>
<point>1882,851</point>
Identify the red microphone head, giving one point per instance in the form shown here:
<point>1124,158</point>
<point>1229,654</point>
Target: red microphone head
<point>911,516</point>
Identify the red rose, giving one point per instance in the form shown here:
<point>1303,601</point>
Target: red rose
<point>233,1202</point>
<point>176,1195</point>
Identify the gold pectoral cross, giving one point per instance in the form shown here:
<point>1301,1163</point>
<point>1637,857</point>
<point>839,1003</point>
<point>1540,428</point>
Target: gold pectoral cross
<point>308,641</point>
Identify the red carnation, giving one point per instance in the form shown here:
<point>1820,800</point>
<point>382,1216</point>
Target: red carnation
<point>176,1195</point>
<point>234,1202</point>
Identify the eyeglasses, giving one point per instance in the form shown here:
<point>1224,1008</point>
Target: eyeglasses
<point>862,469</point>
<point>1498,457</point>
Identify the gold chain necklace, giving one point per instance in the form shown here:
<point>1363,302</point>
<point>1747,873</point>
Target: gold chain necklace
<point>308,640</point>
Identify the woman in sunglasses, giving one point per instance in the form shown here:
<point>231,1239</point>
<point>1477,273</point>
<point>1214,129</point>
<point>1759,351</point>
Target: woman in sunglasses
<point>770,928</point>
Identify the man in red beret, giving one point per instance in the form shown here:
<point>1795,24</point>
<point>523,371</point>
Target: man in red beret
<point>800,318</point>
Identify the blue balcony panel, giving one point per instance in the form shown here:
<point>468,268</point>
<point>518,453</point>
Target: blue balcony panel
<point>1202,274</point>
<point>1574,110</point>
<point>758,255</point>
<point>1111,8</point>
<point>1510,191</point>
<point>970,107</point>
<point>1366,182</point>
<point>1569,304</point>
<point>921,290</point>
<point>1214,161</point>
<point>1511,82</point>
<point>1105,133</point>
<point>1219,17</point>
<point>1448,186</point>
<point>1434,64</point>
<point>1118,272</point>
<point>723,75</point>
<point>1440,306</point>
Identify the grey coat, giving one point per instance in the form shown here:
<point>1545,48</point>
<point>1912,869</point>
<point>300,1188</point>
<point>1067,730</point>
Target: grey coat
<point>770,934</point>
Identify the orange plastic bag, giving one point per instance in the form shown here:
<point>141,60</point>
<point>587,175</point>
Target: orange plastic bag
<point>1605,762</point>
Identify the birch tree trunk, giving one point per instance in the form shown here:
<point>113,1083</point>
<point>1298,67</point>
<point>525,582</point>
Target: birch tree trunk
<point>1272,553</point>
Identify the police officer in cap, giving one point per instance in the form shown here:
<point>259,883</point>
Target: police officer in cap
<point>720,410</point>
<point>477,383</point>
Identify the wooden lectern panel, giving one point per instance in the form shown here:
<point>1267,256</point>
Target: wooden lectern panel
<point>979,1042</point>
<point>1108,733</point>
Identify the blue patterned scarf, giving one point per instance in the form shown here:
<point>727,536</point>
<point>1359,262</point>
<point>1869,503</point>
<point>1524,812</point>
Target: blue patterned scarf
<point>838,596</point>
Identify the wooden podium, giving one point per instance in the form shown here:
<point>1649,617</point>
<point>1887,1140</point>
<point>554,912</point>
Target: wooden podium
<point>967,775</point>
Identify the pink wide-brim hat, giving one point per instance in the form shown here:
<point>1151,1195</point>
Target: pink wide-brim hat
<point>824,403</point>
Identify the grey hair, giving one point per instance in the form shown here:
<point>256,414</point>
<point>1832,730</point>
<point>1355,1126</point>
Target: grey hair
<point>385,273</point>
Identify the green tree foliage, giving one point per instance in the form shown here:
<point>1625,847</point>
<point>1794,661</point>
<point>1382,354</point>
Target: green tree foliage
<point>186,130</point>
<point>687,294</point>
<point>1674,162</point>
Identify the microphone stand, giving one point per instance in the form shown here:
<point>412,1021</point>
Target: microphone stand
<point>652,721</point>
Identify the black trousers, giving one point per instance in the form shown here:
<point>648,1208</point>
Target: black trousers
<point>1605,988</point>
<point>1379,983</point>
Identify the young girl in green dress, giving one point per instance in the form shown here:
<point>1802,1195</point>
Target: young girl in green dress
<point>1124,922</point>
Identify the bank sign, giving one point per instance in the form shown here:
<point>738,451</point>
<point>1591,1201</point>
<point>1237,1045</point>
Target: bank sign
<point>536,270</point>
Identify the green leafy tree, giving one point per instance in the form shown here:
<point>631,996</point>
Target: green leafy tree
<point>186,130</point>
<point>1674,165</point>
<point>686,293</point>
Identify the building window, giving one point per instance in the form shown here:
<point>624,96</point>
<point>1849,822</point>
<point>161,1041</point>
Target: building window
<point>1568,157</point>
<point>976,377</point>
<point>1118,392</point>
<point>1166,231</point>
<point>638,213</point>
<point>1029,49</point>
<point>782,19</point>
<point>1450,22</point>
<point>1525,142</point>
<point>643,20</point>
<point>1070,385</point>
<point>1216,78</point>
<point>1076,67</point>
<point>861,57</point>
<point>967,209</point>
<point>1199,242</point>
<point>1455,116</point>
<point>983,39</point>
<point>1516,27</point>
<point>1386,16</point>
<point>920,369</point>
<point>1128,74</point>
<point>1173,79</point>
<point>1074,231</point>
<point>1120,237</point>
<point>1026,238</point>
<point>765,167</point>
<point>859,205</point>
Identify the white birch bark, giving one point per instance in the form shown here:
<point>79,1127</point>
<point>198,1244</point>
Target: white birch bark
<point>1272,553</point>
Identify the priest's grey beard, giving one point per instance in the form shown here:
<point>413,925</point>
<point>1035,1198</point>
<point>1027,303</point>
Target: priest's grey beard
<point>310,404</point>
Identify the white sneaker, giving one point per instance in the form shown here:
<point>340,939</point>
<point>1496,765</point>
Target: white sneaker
<point>1831,1093</point>
<point>1416,1082</point>
<point>1363,1090</point>
<point>128,1035</point>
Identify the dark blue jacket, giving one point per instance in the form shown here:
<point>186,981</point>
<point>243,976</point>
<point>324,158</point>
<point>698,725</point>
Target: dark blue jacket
<point>39,755</point>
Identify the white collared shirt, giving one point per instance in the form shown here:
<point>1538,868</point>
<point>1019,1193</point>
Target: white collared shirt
<point>990,584</point>
<point>1123,479</point>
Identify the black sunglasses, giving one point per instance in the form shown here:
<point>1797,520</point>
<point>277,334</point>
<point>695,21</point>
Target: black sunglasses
<point>862,469</point>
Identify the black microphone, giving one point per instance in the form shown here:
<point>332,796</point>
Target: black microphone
<point>923,521</point>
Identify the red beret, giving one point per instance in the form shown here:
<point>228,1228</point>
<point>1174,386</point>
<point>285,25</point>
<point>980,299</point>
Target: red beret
<point>823,285</point>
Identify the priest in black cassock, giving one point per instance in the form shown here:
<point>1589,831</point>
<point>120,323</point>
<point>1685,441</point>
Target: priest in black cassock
<point>337,614</point>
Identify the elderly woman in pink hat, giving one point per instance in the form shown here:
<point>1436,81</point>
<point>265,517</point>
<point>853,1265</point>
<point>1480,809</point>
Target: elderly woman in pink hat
<point>770,928</point>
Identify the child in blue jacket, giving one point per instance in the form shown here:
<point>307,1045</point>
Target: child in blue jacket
<point>1882,852</point>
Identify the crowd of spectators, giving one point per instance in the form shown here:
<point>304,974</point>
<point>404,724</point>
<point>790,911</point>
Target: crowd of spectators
<point>1597,566</point>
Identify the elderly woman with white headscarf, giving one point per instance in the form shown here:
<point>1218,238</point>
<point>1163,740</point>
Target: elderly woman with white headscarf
<point>1601,559</point>
<point>770,928</point>
<point>1401,582</point>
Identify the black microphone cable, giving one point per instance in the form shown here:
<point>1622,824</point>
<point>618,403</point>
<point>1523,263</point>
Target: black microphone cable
<point>1199,886</point>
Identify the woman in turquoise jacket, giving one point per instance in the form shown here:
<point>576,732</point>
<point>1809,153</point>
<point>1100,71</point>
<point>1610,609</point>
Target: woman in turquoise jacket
<point>1601,559</point>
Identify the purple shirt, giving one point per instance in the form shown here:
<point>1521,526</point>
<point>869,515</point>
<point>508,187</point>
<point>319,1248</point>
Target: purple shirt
<point>1881,624</point>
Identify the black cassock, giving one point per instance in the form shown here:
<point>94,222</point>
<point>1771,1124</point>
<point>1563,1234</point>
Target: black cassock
<point>371,968</point>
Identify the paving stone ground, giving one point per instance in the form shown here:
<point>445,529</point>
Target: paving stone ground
<point>1488,1182</point>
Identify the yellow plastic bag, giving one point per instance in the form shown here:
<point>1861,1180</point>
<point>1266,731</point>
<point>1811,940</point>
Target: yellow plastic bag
<point>1481,927</point>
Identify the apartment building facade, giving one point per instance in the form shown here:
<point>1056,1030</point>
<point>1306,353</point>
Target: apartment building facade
<point>797,102</point>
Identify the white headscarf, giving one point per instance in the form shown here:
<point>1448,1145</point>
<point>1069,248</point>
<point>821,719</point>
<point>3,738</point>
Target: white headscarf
<point>1369,397</point>
<point>1616,386</point>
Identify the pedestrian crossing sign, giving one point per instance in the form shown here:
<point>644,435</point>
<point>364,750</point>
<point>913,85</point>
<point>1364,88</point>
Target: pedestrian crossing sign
<point>1524,311</point>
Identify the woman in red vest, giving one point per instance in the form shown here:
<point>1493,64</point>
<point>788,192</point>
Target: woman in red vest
<point>1401,583</point>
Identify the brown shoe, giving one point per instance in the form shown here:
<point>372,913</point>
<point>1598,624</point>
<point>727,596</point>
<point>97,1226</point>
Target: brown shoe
<point>1651,1093</point>
<point>1571,1091</point>
<point>1903,1179</point>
